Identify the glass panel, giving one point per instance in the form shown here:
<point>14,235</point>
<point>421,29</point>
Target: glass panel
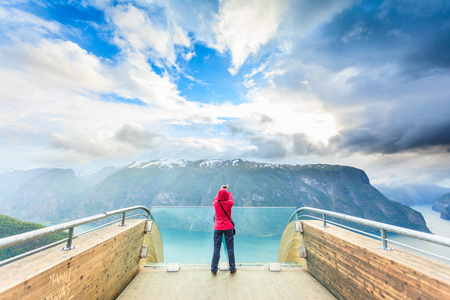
<point>187,233</point>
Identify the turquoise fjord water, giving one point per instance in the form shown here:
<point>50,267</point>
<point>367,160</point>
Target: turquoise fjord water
<point>197,247</point>
<point>188,235</point>
<point>258,235</point>
<point>185,246</point>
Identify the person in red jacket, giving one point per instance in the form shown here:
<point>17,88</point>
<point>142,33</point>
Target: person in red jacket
<point>223,226</point>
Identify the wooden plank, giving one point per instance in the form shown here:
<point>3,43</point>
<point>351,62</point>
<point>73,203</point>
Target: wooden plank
<point>201,284</point>
<point>247,283</point>
<point>185,284</point>
<point>152,284</point>
<point>252,284</point>
<point>299,285</point>
<point>386,273</point>
<point>346,265</point>
<point>103,263</point>
<point>351,265</point>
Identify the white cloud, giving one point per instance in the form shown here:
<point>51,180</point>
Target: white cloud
<point>290,113</point>
<point>17,24</point>
<point>62,105</point>
<point>135,31</point>
<point>55,64</point>
<point>244,26</point>
<point>189,55</point>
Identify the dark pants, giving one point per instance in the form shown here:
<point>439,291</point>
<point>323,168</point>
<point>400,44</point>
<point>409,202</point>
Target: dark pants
<point>229,241</point>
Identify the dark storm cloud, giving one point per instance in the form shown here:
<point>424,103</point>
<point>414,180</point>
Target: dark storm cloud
<point>396,96</point>
<point>415,35</point>
<point>385,141</point>
<point>428,135</point>
<point>433,53</point>
<point>365,140</point>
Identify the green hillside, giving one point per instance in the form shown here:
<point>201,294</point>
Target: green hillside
<point>11,226</point>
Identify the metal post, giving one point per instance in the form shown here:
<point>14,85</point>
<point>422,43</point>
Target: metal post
<point>384,245</point>
<point>69,241</point>
<point>123,220</point>
<point>324,220</point>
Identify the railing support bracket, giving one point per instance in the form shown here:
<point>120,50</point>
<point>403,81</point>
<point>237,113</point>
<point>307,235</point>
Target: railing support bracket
<point>144,251</point>
<point>298,226</point>
<point>66,249</point>
<point>69,242</point>
<point>148,226</point>
<point>123,220</point>
<point>384,245</point>
<point>324,220</point>
<point>302,251</point>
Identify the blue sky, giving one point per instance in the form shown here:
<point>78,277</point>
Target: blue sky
<point>86,84</point>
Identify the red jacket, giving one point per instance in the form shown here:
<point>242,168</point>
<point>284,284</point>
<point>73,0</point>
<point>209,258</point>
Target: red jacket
<point>227,201</point>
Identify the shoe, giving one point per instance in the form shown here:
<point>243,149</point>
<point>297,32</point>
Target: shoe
<point>233,272</point>
<point>214,273</point>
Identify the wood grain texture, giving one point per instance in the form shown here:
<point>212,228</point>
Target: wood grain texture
<point>154,242</point>
<point>352,267</point>
<point>290,242</point>
<point>100,267</point>
<point>248,283</point>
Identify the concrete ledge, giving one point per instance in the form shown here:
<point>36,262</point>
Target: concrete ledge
<point>100,267</point>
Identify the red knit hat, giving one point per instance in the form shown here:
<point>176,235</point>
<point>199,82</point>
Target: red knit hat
<point>223,195</point>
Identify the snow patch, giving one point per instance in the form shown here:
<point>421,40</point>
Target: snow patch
<point>210,163</point>
<point>164,164</point>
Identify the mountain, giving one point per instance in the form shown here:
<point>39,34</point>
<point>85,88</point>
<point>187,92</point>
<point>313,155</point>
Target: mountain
<point>58,195</point>
<point>413,194</point>
<point>10,181</point>
<point>50,196</point>
<point>11,226</point>
<point>193,183</point>
<point>442,205</point>
<point>95,176</point>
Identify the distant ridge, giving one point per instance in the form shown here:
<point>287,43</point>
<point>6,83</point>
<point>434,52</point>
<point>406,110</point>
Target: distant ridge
<point>214,163</point>
<point>413,194</point>
<point>195,183</point>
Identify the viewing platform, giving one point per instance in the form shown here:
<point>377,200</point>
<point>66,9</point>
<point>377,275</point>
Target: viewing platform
<point>251,281</point>
<point>316,260</point>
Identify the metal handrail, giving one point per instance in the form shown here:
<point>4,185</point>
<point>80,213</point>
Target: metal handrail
<point>28,236</point>
<point>382,226</point>
<point>378,238</point>
<point>31,252</point>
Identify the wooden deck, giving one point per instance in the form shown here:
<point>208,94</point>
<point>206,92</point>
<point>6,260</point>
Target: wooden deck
<point>251,281</point>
